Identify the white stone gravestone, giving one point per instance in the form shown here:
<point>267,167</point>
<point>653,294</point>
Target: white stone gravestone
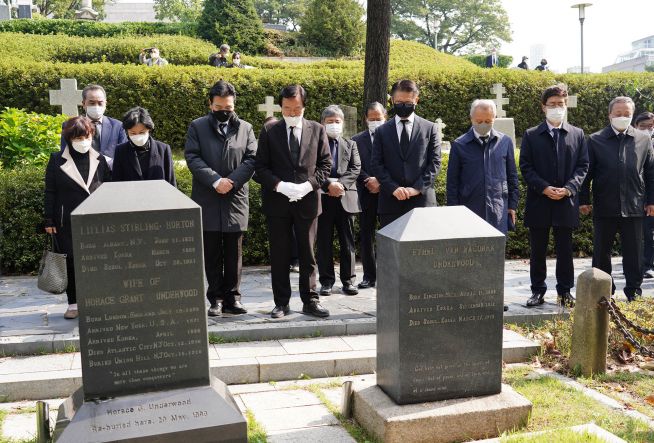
<point>68,97</point>
<point>445,146</point>
<point>5,12</point>
<point>503,124</point>
<point>269,107</point>
<point>572,103</point>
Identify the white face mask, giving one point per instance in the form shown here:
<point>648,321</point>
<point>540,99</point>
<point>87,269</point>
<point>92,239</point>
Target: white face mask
<point>95,112</point>
<point>620,123</point>
<point>373,125</point>
<point>140,139</point>
<point>293,121</point>
<point>555,115</point>
<point>82,146</point>
<point>334,130</point>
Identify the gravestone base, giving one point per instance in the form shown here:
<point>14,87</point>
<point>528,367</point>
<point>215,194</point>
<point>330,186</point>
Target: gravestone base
<point>203,414</point>
<point>443,421</point>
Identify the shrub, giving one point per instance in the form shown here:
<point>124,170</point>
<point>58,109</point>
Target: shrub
<point>234,22</point>
<point>335,28</point>
<point>480,60</point>
<point>83,28</point>
<point>27,137</point>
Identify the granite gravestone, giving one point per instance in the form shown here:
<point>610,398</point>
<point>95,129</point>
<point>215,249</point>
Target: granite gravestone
<point>143,331</point>
<point>350,126</point>
<point>440,305</point>
<point>5,12</point>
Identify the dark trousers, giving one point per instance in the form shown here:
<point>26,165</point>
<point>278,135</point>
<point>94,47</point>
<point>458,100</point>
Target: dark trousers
<point>280,230</point>
<point>648,240</point>
<point>565,276</point>
<point>367,229</point>
<point>223,260</point>
<point>71,290</point>
<point>334,216</point>
<point>631,237</point>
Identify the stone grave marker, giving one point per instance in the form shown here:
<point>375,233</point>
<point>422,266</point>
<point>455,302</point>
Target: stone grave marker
<point>445,145</point>
<point>24,8</point>
<point>142,324</point>
<point>269,107</point>
<point>350,125</point>
<point>5,12</point>
<point>502,123</point>
<point>572,103</point>
<point>68,97</point>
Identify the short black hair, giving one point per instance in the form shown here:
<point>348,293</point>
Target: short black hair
<point>86,90</point>
<point>558,90</point>
<point>222,89</point>
<point>375,106</point>
<point>135,116</point>
<point>405,86</point>
<point>76,127</point>
<point>291,91</point>
<point>642,117</point>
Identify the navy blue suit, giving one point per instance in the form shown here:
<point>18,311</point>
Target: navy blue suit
<point>111,135</point>
<point>484,180</point>
<point>544,163</point>
<point>417,169</point>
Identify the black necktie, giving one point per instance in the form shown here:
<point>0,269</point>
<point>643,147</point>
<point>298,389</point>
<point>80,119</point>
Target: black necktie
<point>223,129</point>
<point>294,146</point>
<point>620,137</point>
<point>484,140</point>
<point>404,139</point>
<point>560,156</point>
<point>96,136</point>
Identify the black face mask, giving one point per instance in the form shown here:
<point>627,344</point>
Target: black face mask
<point>222,116</point>
<point>403,110</point>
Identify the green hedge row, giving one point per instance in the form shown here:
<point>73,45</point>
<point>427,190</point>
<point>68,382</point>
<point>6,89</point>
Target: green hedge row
<point>22,239</point>
<point>83,28</point>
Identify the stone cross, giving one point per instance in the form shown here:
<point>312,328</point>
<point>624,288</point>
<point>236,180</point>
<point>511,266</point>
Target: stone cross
<point>572,103</point>
<point>68,97</point>
<point>439,127</point>
<point>498,90</point>
<point>269,107</point>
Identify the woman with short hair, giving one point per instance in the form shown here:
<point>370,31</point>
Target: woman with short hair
<point>142,157</point>
<point>70,177</point>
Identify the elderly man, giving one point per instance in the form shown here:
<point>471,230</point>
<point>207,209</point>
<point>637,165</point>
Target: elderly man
<point>554,162</point>
<point>220,59</point>
<point>155,58</point>
<point>621,174</point>
<point>481,173</point>
<point>340,203</point>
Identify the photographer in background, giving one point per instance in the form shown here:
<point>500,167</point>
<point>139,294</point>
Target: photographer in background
<point>154,60</point>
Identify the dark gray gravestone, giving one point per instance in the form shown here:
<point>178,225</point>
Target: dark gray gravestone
<point>143,331</point>
<point>440,292</point>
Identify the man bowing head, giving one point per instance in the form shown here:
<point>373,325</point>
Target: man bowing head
<point>293,161</point>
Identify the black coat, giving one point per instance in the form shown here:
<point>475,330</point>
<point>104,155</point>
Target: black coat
<point>417,170</point>
<point>538,164</point>
<point>65,190</point>
<point>349,166</point>
<point>364,145</point>
<point>211,156</point>
<point>126,165</point>
<point>273,165</point>
<point>621,174</point>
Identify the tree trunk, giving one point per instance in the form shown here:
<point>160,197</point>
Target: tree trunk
<point>378,46</point>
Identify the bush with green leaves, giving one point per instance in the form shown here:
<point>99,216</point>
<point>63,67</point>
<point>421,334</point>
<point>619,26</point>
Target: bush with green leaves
<point>85,28</point>
<point>335,28</point>
<point>234,22</point>
<point>27,137</point>
<point>504,61</point>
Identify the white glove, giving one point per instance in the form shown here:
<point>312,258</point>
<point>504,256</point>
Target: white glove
<point>303,189</point>
<point>286,188</point>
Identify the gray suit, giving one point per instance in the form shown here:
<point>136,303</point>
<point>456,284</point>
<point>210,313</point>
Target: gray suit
<point>210,156</point>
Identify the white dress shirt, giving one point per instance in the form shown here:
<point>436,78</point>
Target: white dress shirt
<point>297,131</point>
<point>409,126</point>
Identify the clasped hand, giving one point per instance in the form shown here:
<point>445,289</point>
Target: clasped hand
<point>555,193</point>
<point>294,191</point>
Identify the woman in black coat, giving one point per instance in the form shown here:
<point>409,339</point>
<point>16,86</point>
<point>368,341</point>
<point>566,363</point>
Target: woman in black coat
<point>142,157</point>
<point>71,176</point>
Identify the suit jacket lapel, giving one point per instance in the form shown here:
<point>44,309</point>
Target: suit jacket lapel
<point>392,127</point>
<point>105,135</point>
<point>94,161</point>
<point>282,132</point>
<point>307,131</point>
<point>155,154</point>
<point>415,132</point>
<point>71,171</point>
<point>342,145</point>
<point>134,160</point>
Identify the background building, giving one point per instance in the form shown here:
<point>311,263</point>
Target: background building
<point>640,56</point>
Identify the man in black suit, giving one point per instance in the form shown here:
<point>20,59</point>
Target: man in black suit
<point>109,132</point>
<point>368,188</point>
<point>220,150</point>
<point>554,163</point>
<point>339,204</point>
<point>621,173</point>
<point>492,59</point>
<point>293,162</point>
<point>406,157</point>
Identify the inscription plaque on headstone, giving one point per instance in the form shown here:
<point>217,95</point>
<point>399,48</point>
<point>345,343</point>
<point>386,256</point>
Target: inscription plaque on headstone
<point>439,306</point>
<point>142,324</point>
<point>350,126</point>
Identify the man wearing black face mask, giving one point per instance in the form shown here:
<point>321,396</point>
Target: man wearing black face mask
<point>406,157</point>
<point>220,151</point>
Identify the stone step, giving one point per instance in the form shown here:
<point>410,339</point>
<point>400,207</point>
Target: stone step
<point>31,344</point>
<point>58,375</point>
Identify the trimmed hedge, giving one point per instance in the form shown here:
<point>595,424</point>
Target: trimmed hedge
<point>83,28</point>
<point>22,239</point>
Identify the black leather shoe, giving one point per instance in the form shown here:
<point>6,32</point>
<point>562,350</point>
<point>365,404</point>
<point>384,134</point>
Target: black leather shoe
<point>215,310</point>
<point>506,308</point>
<point>350,289</point>
<point>280,311</point>
<point>325,290</point>
<point>295,267</point>
<point>314,308</point>
<point>536,299</point>
<point>566,300</point>
<point>366,284</point>
<point>236,309</point>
